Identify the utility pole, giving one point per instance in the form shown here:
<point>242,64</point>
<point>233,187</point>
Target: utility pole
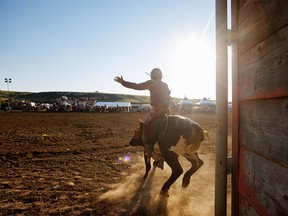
<point>8,81</point>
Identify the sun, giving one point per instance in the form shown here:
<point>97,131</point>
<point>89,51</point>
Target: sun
<point>192,67</point>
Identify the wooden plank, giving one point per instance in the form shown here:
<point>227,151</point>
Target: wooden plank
<point>276,42</point>
<point>221,107</point>
<point>263,70</point>
<point>257,20</point>
<point>245,8</point>
<point>235,112</point>
<point>264,128</point>
<point>263,184</point>
<point>245,209</point>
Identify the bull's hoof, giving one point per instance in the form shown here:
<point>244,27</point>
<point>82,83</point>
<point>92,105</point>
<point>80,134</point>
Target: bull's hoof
<point>164,193</point>
<point>185,182</point>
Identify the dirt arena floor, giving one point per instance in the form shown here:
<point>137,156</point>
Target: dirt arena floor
<point>81,164</point>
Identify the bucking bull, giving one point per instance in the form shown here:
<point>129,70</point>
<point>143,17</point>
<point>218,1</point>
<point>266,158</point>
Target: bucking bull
<point>174,135</point>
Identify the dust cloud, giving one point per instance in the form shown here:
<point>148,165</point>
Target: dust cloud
<point>141,197</point>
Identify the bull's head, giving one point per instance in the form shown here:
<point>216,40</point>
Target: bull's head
<point>137,138</point>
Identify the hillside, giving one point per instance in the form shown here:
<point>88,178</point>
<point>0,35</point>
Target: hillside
<point>50,97</point>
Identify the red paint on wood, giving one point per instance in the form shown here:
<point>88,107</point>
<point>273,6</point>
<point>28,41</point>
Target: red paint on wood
<point>277,93</point>
<point>247,189</point>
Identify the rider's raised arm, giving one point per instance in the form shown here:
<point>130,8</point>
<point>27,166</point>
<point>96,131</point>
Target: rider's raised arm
<point>138,86</point>
<point>118,79</point>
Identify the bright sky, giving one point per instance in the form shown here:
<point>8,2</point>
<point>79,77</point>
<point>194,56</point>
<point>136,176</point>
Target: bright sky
<point>80,45</point>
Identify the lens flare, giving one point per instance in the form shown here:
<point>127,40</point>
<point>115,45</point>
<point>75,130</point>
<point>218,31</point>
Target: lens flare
<point>125,159</point>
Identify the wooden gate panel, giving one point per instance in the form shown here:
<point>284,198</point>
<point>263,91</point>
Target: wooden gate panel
<point>263,128</point>
<point>245,208</point>
<point>263,70</point>
<point>260,88</point>
<point>257,20</point>
<point>257,177</point>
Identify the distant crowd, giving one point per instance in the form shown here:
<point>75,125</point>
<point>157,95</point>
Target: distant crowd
<point>86,104</point>
<point>67,104</point>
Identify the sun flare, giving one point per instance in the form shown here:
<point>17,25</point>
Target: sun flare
<point>193,67</point>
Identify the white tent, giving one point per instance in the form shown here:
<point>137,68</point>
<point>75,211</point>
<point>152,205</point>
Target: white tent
<point>206,102</point>
<point>113,104</point>
<point>185,105</point>
<point>185,102</point>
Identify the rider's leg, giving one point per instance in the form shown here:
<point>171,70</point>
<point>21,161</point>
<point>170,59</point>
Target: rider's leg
<point>147,145</point>
<point>155,112</point>
<point>145,135</point>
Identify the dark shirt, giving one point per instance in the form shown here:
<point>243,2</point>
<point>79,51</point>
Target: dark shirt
<point>159,91</point>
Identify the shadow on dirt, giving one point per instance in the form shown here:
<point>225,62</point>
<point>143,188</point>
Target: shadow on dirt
<point>139,200</point>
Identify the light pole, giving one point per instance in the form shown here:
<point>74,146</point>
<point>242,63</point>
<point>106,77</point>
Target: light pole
<point>8,80</point>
